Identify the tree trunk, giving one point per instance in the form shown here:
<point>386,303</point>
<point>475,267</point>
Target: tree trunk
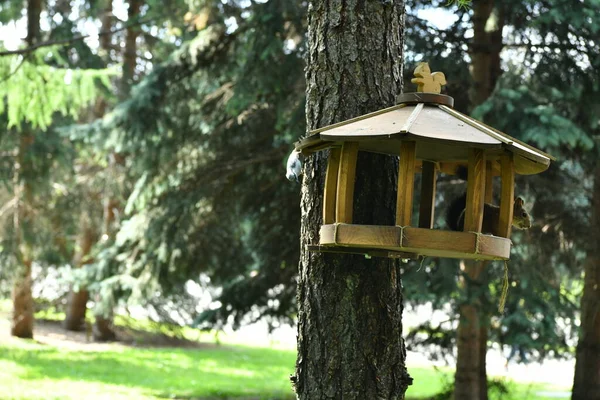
<point>103,325</point>
<point>467,385</point>
<point>23,307</point>
<point>350,342</point>
<point>22,298</point>
<point>483,338</point>
<point>102,330</point>
<point>586,385</point>
<point>471,375</point>
<point>488,23</point>
<point>130,54</point>
<point>77,303</point>
<point>76,310</point>
<point>106,26</point>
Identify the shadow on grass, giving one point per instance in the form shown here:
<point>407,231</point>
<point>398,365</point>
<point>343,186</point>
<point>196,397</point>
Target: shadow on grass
<point>222,373</point>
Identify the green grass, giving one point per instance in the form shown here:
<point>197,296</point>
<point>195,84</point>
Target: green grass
<point>431,381</point>
<point>32,371</point>
<point>29,370</point>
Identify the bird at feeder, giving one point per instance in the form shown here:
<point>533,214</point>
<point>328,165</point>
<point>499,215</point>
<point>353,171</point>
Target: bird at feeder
<point>294,166</point>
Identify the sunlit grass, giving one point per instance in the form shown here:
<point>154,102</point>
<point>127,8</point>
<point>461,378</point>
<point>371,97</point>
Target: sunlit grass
<point>33,371</point>
<point>29,370</point>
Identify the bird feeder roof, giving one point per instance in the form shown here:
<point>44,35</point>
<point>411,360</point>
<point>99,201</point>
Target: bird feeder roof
<point>441,134</point>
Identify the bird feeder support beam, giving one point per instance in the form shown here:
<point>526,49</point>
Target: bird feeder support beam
<point>428,182</point>
<point>330,191</point>
<point>475,191</point>
<point>406,178</point>
<point>489,182</point>
<point>507,199</point>
<point>345,183</point>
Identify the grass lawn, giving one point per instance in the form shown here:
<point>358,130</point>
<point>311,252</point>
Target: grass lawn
<point>34,371</point>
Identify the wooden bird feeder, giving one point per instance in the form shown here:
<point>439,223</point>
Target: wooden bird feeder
<point>430,137</point>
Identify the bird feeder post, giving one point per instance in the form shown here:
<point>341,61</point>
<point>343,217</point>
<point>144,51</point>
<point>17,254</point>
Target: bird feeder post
<point>507,196</point>
<point>330,190</point>
<point>406,179</point>
<point>428,182</point>
<point>475,191</point>
<point>345,183</point>
<point>489,182</point>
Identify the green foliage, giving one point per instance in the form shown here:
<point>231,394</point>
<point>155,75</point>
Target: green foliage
<point>10,11</point>
<point>545,97</point>
<point>460,3</point>
<point>34,92</point>
<point>210,137</point>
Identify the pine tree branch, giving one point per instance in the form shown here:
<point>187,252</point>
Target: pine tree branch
<point>48,43</point>
<point>12,73</point>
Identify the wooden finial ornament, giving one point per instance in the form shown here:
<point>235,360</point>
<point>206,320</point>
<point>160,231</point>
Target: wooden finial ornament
<point>426,81</point>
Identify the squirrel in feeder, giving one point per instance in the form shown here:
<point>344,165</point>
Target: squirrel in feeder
<point>455,216</point>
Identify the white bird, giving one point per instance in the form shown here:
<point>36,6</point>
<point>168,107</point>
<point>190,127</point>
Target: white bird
<point>294,166</point>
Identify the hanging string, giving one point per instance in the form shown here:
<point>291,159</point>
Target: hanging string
<point>421,263</point>
<point>478,235</point>
<point>504,292</point>
<point>335,233</point>
<point>401,236</point>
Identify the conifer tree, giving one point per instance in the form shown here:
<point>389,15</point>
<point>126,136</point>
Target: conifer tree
<point>37,88</point>
<point>22,320</point>
<point>350,341</point>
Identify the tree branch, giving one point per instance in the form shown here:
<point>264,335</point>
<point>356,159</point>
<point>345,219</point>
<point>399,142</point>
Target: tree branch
<point>48,43</point>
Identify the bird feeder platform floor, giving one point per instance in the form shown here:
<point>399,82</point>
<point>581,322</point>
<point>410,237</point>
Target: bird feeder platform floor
<point>410,242</point>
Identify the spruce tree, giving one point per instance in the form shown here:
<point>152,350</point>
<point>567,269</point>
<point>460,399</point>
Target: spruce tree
<point>350,341</point>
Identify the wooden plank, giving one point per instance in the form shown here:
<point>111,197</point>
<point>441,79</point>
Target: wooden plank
<point>489,182</point>
<point>345,184</point>
<point>330,190</point>
<point>362,251</point>
<point>524,166</point>
<point>357,119</point>
<point>489,245</point>
<point>406,186</point>
<point>437,240</point>
<point>427,206</point>
<point>434,123</point>
<point>412,118</point>
<point>475,191</point>
<point>449,167</point>
<point>371,236</point>
<point>426,242</point>
<point>507,198</point>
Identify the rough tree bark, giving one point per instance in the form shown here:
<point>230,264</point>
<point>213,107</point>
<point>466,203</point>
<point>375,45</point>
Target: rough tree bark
<point>586,385</point>
<point>23,307</point>
<point>471,376</point>
<point>350,342</point>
